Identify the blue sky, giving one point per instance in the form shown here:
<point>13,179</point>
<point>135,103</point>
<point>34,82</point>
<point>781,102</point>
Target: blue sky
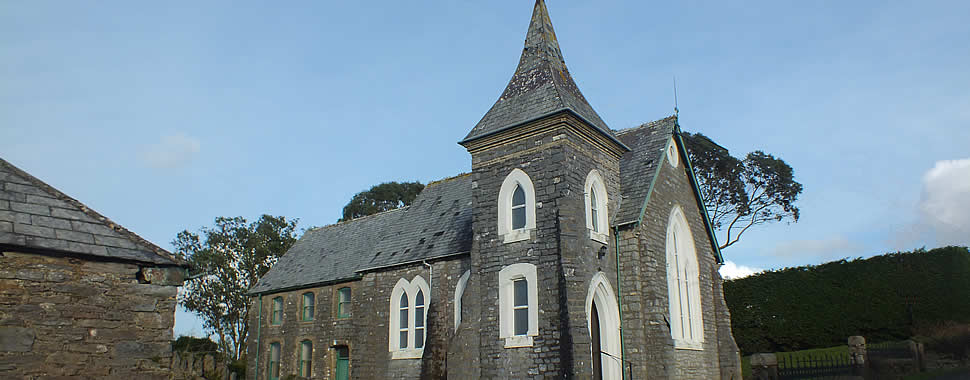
<point>163,116</point>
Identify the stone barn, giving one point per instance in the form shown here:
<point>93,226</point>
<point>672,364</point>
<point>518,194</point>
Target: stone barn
<point>571,250</point>
<point>80,296</point>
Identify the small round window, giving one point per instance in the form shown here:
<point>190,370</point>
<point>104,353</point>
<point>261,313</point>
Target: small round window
<point>672,157</point>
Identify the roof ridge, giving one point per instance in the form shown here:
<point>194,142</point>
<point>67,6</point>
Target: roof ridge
<point>432,183</point>
<point>90,212</point>
<point>345,222</point>
<point>447,179</point>
<point>644,125</point>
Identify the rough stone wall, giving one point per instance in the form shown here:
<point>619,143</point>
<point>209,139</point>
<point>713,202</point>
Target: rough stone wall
<point>557,162</point>
<point>365,332</point>
<point>729,354</point>
<point>71,317</point>
<point>373,360</point>
<point>660,360</point>
<point>647,347</point>
<point>325,330</point>
<point>464,361</point>
<point>196,366</point>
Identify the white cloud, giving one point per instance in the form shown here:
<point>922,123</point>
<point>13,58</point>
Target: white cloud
<point>830,247</point>
<point>945,202</point>
<point>730,270</point>
<point>171,152</point>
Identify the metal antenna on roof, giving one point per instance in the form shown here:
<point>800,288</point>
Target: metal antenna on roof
<point>676,110</point>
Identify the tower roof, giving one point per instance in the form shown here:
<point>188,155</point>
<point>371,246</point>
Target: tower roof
<point>540,86</point>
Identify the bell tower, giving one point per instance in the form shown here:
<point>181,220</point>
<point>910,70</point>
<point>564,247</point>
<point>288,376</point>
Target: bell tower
<point>545,171</point>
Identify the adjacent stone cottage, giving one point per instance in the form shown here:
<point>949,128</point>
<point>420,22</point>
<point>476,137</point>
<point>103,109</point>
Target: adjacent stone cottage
<point>570,251</point>
<point>80,296</point>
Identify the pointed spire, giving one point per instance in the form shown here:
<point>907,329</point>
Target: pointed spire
<point>540,86</point>
<point>541,44</point>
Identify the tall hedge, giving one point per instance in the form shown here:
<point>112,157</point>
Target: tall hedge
<point>881,298</point>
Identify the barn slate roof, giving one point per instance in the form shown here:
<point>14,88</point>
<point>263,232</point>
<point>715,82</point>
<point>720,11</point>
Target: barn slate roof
<point>437,224</point>
<point>36,216</point>
<point>541,85</point>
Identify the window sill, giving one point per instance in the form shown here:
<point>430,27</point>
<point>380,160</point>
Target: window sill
<point>407,354</point>
<point>599,236</point>
<point>518,341</point>
<point>686,345</point>
<point>517,235</point>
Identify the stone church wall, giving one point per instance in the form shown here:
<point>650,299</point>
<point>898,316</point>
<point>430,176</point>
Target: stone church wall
<point>538,158</point>
<point>672,188</point>
<point>365,332</point>
<point>325,330</point>
<point>557,162</point>
<point>372,358</point>
<point>69,317</point>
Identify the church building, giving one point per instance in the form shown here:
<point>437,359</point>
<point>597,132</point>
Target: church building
<point>571,250</point>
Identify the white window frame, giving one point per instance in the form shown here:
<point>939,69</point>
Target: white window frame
<point>516,178</point>
<point>506,297</point>
<point>673,156</point>
<point>410,290</point>
<point>683,285</point>
<point>594,183</point>
<point>459,292</point>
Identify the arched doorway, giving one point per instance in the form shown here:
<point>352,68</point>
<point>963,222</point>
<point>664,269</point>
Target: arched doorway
<point>603,321</point>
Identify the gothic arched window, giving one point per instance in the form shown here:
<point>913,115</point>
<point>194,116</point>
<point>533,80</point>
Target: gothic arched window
<point>596,209</point>
<point>516,207</point>
<point>686,321</point>
<point>408,318</point>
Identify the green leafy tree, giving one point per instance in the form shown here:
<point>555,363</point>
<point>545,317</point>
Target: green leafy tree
<point>380,198</point>
<point>226,260</point>
<point>742,193</point>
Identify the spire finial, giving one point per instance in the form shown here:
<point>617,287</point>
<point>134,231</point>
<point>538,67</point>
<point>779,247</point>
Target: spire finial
<point>676,110</point>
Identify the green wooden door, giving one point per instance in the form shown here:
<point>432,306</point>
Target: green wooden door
<point>343,363</point>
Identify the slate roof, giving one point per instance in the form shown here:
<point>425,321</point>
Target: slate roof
<point>35,215</point>
<point>540,86</point>
<point>437,224</point>
<point>638,167</point>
